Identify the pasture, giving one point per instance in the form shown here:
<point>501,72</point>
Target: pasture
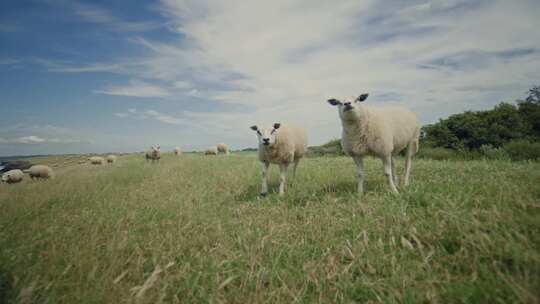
<point>193,229</point>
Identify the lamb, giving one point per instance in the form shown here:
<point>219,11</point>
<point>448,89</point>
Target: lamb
<point>40,171</point>
<point>222,148</point>
<point>96,160</point>
<point>177,151</point>
<point>379,132</point>
<point>282,145</point>
<point>13,176</point>
<point>111,159</point>
<point>211,151</point>
<point>153,154</point>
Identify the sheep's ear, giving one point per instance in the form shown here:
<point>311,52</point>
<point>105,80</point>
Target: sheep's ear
<point>362,97</point>
<point>254,128</point>
<point>334,101</point>
<point>277,125</point>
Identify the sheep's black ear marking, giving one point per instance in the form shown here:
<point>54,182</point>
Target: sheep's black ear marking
<point>277,125</point>
<point>362,97</point>
<point>334,101</point>
<point>254,128</point>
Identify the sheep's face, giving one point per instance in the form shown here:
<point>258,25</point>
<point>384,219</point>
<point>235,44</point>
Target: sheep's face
<point>347,107</point>
<point>5,177</point>
<point>266,136</point>
<point>155,150</point>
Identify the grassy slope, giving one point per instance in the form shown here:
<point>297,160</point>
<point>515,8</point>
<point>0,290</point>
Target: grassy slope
<point>463,232</point>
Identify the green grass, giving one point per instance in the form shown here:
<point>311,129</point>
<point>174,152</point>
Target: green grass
<point>193,229</point>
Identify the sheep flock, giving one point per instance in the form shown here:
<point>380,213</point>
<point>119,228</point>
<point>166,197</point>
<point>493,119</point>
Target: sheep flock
<point>366,130</point>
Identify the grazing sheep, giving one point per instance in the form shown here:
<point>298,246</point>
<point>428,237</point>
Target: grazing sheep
<point>153,154</point>
<point>211,151</point>
<point>222,148</point>
<point>378,132</point>
<point>282,145</point>
<point>96,160</point>
<point>111,158</point>
<point>177,151</point>
<point>40,171</point>
<point>12,176</point>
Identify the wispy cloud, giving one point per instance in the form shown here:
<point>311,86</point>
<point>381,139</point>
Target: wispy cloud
<point>9,61</point>
<point>135,88</point>
<point>153,115</point>
<point>35,140</point>
<point>9,28</point>
<point>67,67</point>
<point>98,15</point>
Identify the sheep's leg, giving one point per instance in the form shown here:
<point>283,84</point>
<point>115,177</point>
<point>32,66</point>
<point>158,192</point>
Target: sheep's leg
<point>283,177</point>
<point>408,160</point>
<point>264,189</point>
<point>394,173</point>
<point>296,161</point>
<point>360,171</point>
<point>387,164</point>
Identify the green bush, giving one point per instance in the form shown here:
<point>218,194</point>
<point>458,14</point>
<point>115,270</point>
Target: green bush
<point>490,152</point>
<point>436,153</point>
<point>331,148</point>
<point>523,150</point>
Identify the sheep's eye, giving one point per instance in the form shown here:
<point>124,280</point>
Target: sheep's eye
<point>259,132</point>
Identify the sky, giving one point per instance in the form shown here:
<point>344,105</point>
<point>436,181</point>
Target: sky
<point>79,76</point>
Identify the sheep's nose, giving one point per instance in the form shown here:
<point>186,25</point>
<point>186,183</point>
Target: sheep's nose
<point>347,103</point>
<point>266,139</point>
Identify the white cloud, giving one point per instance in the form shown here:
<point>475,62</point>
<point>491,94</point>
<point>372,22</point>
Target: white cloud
<point>33,140</point>
<point>8,61</point>
<point>268,61</point>
<point>98,15</point>
<point>135,88</point>
<point>153,115</point>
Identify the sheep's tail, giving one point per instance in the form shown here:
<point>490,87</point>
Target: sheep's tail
<point>416,141</point>
<point>414,145</point>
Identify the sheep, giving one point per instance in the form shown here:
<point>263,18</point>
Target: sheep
<point>379,132</point>
<point>211,151</point>
<point>40,171</point>
<point>153,154</point>
<point>96,160</point>
<point>111,159</point>
<point>12,176</point>
<point>177,151</point>
<point>222,148</point>
<point>281,145</point>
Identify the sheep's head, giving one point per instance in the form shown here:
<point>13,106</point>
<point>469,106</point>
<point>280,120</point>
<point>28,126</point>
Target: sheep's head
<point>347,106</point>
<point>5,177</point>
<point>266,136</point>
<point>155,150</point>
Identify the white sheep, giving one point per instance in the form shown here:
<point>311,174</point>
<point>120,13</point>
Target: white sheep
<point>211,151</point>
<point>177,151</point>
<point>111,159</point>
<point>12,176</point>
<point>153,154</point>
<point>381,132</point>
<point>96,160</point>
<point>222,148</point>
<point>40,171</point>
<point>282,145</point>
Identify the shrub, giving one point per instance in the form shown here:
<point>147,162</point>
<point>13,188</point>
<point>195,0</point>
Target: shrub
<point>436,153</point>
<point>523,150</point>
<point>490,152</point>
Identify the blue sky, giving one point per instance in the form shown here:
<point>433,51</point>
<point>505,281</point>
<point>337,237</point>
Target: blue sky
<point>118,76</point>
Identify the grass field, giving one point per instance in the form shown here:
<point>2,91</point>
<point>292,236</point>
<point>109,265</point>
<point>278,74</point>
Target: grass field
<point>193,229</point>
